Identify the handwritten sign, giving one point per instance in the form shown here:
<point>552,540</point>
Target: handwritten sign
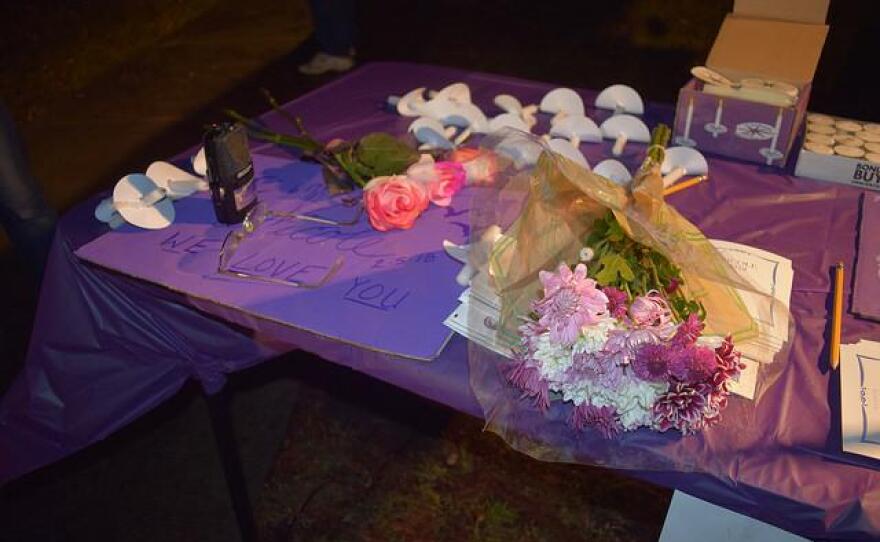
<point>391,293</point>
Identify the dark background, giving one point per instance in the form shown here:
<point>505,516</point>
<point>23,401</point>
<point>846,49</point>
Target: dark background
<point>102,88</point>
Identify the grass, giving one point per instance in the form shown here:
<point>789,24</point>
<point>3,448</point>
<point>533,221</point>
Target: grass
<point>439,477</point>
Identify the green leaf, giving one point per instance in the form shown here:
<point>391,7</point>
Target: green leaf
<point>613,268</point>
<point>382,154</point>
<point>615,231</point>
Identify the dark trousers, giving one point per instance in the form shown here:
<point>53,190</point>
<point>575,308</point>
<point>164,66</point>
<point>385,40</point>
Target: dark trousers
<point>28,221</point>
<point>335,24</point>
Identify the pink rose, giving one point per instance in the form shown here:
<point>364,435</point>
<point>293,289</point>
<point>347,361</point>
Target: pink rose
<point>394,202</point>
<point>480,166</point>
<point>441,179</point>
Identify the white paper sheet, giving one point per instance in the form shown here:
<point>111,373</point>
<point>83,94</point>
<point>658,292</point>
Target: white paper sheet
<point>860,398</point>
<point>745,384</point>
<point>690,519</point>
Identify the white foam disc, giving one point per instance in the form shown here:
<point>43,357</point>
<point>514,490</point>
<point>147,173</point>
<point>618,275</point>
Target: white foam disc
<point>127,197</point>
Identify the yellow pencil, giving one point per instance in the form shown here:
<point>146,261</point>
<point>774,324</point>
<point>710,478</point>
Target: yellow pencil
<point>678,187</point>
<point>834,353</point>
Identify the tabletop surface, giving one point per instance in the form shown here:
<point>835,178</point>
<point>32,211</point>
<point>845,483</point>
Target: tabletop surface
<point>121,346</point>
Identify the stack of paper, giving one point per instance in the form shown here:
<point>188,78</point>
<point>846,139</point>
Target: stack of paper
<point>769,274</point>
<point>477,316</point>
<point>860,398</point>
<point>771,277</point>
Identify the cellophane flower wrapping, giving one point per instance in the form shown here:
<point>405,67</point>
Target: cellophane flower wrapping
<point>545,206</point>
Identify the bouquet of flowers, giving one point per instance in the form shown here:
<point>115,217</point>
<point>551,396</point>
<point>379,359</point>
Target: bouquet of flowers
<point>635,328</point>
<point>622,362</point>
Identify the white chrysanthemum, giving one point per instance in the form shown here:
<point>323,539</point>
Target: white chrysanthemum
<point>578,393</point>
<point>634,418</point>
<point>583,391</point>
<point>710,341</point>
<point>634,400</point>
<point>592,338</point>
<point>555,359</point>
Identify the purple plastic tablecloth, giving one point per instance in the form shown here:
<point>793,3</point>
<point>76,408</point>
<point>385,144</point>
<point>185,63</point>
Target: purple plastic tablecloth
<point>108,348</point>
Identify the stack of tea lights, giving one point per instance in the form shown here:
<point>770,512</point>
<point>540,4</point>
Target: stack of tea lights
<point>829,135</point>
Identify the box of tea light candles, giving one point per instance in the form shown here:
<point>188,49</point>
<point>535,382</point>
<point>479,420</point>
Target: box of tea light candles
<point>840,150</point>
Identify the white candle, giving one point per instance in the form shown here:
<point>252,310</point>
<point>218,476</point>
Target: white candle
<point>718,117</point>
<point>688,118</point>
<point>770,158</point>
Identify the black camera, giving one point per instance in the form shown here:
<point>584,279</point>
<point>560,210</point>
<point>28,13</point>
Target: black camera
<point>230,171</point>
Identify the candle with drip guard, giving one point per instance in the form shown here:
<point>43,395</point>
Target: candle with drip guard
<point>775,135</point>
<point>689,118</point>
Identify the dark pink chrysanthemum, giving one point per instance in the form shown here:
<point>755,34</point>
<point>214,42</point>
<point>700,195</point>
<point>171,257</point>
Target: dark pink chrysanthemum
<point>525,376</point>
<point>678,363</point>
<point>717,403</point>
<point>603,419</point>
<point>728,364</point>
<point>688,331</point>
<point>617,301</point>
<point>701,364</point>
<point>682,407</point>
<point>651,362</point>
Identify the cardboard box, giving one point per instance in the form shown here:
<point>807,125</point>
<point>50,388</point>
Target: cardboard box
<point>774,40</point>
<point>820,154</point>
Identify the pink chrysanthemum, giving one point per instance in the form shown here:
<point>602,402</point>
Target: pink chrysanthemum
<point>617,301</point>
<point>525,376</point>
<point>682,407</point>
<point>651,362</point>
<point>622,345</point>
<point>600,369</point>
<point>603,419</point>
<point>689,331</point>
<point>650,310</point>
<point>571,301</point>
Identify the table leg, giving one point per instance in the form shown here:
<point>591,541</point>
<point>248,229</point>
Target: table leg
<point>227,449</point>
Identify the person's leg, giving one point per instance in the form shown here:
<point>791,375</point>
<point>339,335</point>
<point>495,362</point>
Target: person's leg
<point>28,221</point>
<point>344,26</point>
<point>322,20</point>
<point>334,22</point>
